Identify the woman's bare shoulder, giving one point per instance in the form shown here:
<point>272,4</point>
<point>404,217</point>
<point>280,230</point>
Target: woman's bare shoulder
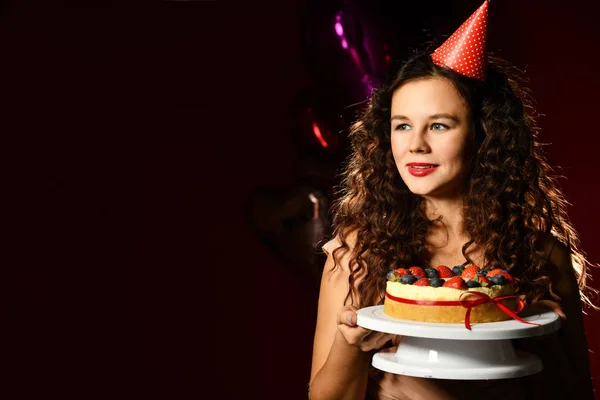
<point>346,253</point>
<point>344,263</point>
<point>335,242</point>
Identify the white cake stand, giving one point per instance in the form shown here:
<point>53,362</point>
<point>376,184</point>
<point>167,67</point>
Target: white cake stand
<point>451,351</point>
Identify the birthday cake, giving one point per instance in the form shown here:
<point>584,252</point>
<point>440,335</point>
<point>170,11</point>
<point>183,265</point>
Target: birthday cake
<point>463,294</point>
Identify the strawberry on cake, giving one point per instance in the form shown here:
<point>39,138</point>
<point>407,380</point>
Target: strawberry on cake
<point>463,294</point>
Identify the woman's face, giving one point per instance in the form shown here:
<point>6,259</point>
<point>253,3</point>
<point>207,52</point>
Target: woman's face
<point>431,137</point>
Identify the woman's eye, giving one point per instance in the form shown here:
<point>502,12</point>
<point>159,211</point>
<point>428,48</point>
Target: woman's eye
<point>439,127</point>
<point>403,127</point>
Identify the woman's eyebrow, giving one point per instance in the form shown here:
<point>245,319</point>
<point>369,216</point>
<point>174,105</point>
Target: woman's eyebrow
<point>444,115</point>
<point>434,116</point>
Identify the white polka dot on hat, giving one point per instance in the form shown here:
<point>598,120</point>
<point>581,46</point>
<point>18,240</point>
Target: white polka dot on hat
<point>465,51</point>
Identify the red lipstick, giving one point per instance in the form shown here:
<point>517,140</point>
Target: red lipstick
<point>421,169</point>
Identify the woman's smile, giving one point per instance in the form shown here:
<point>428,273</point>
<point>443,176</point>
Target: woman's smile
<point>421,169</point>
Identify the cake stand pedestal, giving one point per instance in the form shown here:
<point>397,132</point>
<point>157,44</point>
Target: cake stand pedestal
<point>451,351</point>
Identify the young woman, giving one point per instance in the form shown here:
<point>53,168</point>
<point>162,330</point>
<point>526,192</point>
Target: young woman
<point>446,169</point>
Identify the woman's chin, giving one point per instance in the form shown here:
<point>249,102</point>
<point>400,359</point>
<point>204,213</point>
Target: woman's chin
<point>420,190</point>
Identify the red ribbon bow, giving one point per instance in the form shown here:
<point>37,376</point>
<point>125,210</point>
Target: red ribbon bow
<point>469,304</point>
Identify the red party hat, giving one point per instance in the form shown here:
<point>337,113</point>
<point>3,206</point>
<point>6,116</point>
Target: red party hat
<point>464,51</point>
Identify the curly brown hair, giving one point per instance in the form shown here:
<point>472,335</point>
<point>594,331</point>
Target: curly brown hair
<point>512,203</point>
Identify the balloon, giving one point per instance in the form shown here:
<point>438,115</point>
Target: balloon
<point>345,49</point>
<point>315,125</point>
<point>292,222</point>
<point>352,45</point>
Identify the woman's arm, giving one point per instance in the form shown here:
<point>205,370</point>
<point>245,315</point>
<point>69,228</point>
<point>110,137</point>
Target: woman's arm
<point>339,369</point>
<point>571,336</point>
<point>564,354</point>
<point>342,350</point>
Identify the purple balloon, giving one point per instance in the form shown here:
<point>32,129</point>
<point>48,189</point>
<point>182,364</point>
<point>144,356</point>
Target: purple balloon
<point>346,49</point>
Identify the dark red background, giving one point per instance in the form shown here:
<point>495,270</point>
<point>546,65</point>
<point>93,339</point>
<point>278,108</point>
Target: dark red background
<point>131,139</point>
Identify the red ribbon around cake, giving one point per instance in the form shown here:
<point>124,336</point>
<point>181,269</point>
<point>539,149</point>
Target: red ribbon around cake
<point>469,304</point>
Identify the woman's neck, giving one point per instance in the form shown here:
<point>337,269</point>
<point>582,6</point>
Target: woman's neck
<point>447,236</point>
<point>451,214</point>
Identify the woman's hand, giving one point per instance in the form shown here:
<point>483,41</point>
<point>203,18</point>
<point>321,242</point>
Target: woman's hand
<point>552,306</point>
<point>364,339</point>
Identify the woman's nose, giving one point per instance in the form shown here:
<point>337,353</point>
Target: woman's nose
<point>418,143</point>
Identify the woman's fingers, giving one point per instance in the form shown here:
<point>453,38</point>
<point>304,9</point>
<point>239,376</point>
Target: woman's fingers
<point>374,340</point>
<point>353,333</point>
<point>382,340</point>
<point>364,338</point>
<point>347,316</point>
<point>552,306</point>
